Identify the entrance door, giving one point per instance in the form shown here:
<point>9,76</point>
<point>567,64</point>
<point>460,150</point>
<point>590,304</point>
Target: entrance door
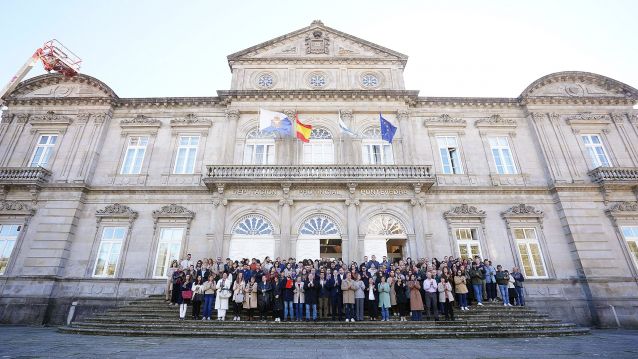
<point>375,246</point>
<point>396,249</point>
<point>307,249</point>
<point>330,248</point>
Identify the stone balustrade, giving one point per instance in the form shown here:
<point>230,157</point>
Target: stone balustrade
<point>23,175</point>
<point>320,173</point>
<point>615,175</point>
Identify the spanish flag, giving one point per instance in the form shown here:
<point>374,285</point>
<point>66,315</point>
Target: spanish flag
<point>303,130</point>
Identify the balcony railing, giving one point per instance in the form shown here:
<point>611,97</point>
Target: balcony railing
<point>319,173</point>
<point>23,175</point>
<point>614,175</point>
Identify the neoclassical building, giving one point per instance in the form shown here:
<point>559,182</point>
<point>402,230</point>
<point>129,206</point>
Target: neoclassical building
<point>100,193</point>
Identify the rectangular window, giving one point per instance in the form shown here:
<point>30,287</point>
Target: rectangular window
<point>450,156</point>
<point>318,152</point>
<point>631,236</point>
<point>108,254</point>
<point>134,155</point>
<point>168,249</point>
<point>8,237</point>
<point>502,155</point>
<point>596,150</point>
<point>530,253</point>
<point>468,243</point>
<point>377,153</point>
<point>259,153</point>
<point>186,154</point>
<point>43,150</point>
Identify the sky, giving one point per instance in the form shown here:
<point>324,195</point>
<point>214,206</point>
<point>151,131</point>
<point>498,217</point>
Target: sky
<point>456,48</point>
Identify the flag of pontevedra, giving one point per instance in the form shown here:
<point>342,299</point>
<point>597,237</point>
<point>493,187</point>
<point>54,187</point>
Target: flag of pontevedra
<point>270,121</point>
<point>387,129</point>
<point>303,130</point>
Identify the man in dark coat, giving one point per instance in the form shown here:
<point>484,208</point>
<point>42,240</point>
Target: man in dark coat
<point>311,294</point>
<point>264,297</point>
<point>336,297</point>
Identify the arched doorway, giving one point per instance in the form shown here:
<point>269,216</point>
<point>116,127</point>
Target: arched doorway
<point>319,238</point>
<point>252,237</point>
<point>385,236</point>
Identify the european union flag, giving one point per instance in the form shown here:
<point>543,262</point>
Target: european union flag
<point>387,129</point>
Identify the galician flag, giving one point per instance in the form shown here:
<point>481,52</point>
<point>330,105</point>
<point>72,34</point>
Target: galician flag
<point>387,129</point>
<point>344,128</point>
<point>270,121</point>
<point>303,130</point>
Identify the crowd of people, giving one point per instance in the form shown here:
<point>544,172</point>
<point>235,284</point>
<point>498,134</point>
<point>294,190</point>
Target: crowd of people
<point>287,290</point>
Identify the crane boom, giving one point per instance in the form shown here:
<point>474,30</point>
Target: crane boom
<point>54,56</point>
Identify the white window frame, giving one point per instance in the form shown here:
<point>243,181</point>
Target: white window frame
<point>186,155</point>
<point>384,149</point>
<point>112,241</point>
<point>5,241</point>
<point>47,150</point>
<point>453,166</point>
<point>629,240</point>
<point>134,150</point>
<point>169,255</point>
<point>527,242</point>
<point>504,152</point>
<point>468,243</point>
<point>320,148</point>
<point>591,147</point>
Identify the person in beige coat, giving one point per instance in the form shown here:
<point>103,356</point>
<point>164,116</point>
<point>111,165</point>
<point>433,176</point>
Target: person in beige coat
<point>393,295</point>
<point>460,287</point>
<point>299,298</point>
<point>416,303</point>
<point>238,295</point>
<point>348,289</point>
<point>250,297</point>
<point>446,297</point>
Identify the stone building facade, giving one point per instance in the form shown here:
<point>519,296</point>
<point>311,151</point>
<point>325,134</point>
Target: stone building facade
<point>100,192</point>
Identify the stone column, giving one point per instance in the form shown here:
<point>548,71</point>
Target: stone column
<point>353,219</point>
<point>288,150</point>
<point>284,219</point>
<point>232,117</point>
<point>347,146</point>
<point>218,221</point>
<point>407,143</point>
<point>419,214</point>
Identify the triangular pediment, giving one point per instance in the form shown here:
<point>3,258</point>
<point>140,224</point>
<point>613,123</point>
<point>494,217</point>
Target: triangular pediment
<point>59,86</point>
<point>578,85</point>
<point>317,41</point>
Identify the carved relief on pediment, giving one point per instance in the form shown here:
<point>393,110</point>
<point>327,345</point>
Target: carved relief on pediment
<point>573,89</point>
<point>65,90</point>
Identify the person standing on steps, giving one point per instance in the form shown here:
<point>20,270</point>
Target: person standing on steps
<point>299,298</point>
<point>198,297</point>
<point>359,297</point>
<point>416,303</point>
<point>264,297</point>
<point>430,289</point>
<point>288,290</point>
<point>324,296</point>
<point>209,296</point>
<point>169,279</point>
<point>336,297</point>
<point>402,298</point>
<point>348,288</point>
<point>490,280</point>
<point>186,289</point>
<point>224,292</point>
<point>238,296</point>
<point>250,296</point>
<point>311,297</point>
<point>460,287</point>
<point>372,298</point>
<point>384,299</point>
<point>502,279</point>
<point>446,298</point>
<point>476,276</point>
<point>277,298</point>
<point>518,286</point>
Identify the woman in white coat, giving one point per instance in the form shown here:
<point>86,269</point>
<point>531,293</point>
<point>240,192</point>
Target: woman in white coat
<point>224,292</point>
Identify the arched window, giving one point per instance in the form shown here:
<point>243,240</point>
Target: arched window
<point>320,149</point>
<point>375,151</point>
<point>253,225</point>
<point>260,148</point>
<point>385,225</point>
<point>319,225</point>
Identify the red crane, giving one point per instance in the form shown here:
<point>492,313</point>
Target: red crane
<point>55,57</point>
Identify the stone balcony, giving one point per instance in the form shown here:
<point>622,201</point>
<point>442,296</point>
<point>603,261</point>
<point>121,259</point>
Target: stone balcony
<point>615,175</point>
<point>26,176</point>
<point>392,174</point>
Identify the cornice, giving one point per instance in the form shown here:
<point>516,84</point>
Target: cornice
<point>378,95</point>
<point>491,102</point>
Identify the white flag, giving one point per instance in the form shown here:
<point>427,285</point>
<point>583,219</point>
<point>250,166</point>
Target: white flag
<point>270,121</point>
<point>345,128</point>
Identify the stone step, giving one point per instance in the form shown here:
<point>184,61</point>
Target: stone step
<point>229,333</point>
<point>320,326</point>
<point>170,308</point>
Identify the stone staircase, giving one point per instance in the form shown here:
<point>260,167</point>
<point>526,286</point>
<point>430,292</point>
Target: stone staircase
<point>153,317</point>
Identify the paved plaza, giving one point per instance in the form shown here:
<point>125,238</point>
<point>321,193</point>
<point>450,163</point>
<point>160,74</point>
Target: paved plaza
<point>35,342</point>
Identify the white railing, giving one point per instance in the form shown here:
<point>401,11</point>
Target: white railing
<point>339,173</point>
<point>23,175</point>
<point>614,174</point>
